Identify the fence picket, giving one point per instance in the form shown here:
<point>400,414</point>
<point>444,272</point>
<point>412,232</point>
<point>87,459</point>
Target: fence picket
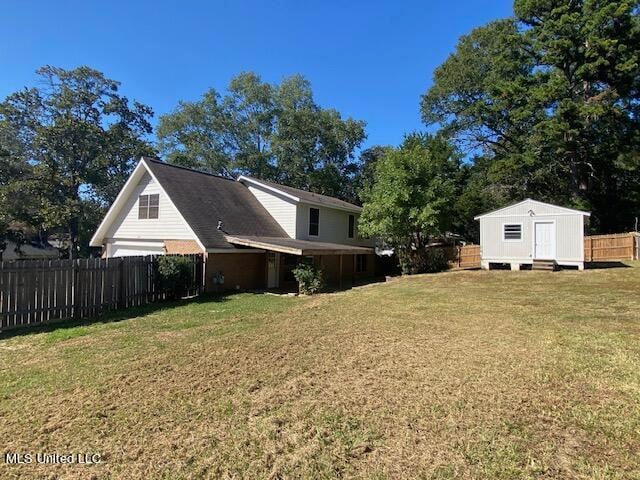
<point>597,248</point>
<point>35,292</point>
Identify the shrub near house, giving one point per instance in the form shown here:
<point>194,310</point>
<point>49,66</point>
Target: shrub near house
<point>310,278</point>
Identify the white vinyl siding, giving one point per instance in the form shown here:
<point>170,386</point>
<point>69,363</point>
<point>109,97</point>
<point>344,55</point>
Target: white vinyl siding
<point>569,233</point>
<point>282,210</point>
<point>294,219</point>
<point>334,226</point>
<point>168,225</point>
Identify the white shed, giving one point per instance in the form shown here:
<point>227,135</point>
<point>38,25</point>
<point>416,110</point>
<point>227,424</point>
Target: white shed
<point>532,233</point>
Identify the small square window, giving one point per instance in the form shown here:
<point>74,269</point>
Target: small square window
<point>148,206</point>
<point>314,222</point>
<point>512,231</point>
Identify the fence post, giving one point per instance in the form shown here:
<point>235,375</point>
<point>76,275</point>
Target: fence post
<point>121,290</point>
<point>74,288</point>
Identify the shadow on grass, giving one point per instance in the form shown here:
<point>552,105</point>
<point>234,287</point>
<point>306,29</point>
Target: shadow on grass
<point>360,282</point>
<point>599,265</point>
<point>113,316</point>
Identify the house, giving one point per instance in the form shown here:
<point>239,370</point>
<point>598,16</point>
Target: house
<point>23,242</point>
<point>532,233</point>
<point>29,250</point>
<point>252,232</point>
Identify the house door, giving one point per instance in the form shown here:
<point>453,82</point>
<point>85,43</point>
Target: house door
<point>273,270</point>
<point>544,241</point>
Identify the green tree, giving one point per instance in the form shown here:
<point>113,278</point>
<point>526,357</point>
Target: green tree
<point>365,176</point>
<point>551,99</point>
<point>412,197</point>
<point>72,142</point>
<point>272,131</point>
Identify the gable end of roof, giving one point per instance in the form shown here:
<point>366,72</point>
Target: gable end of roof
<point>496,212</point>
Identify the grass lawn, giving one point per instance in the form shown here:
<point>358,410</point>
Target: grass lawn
<point>457,375</point>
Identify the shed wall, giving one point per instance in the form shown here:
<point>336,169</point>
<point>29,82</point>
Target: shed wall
<point>569,231</point>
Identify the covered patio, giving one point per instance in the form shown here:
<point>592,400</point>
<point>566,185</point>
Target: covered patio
<point>342,264</point>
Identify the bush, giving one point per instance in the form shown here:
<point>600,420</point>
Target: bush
<point>429,260</point>
<point>436,260</point>
<point>310,279</point>
<point>174,274</point>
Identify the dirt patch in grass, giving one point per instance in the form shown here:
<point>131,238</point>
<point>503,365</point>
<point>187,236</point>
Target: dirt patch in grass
<point>457,375</point>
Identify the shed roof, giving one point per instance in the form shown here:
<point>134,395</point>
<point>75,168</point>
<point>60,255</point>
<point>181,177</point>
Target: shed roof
<point>548,209</point>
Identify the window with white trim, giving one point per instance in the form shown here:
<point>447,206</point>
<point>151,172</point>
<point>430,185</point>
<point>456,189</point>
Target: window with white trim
<point>314,221</point>
<point>512,231</point>
<point>148,206</point>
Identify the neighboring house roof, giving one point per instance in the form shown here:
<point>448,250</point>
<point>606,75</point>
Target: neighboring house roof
<point>298,195</point>
<point>557,208</point>
<point>29,251</point>
<point>297,247</point>
<point>204,199</point>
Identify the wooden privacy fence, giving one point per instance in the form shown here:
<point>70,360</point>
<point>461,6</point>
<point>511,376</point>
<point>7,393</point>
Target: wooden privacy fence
<point>618,246</point>
<point>38,291</point>
<point>465,256</point>
<point>597,248</point>
<point>468,256</point>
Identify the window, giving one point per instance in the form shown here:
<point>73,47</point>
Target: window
<point>148,206</point>
<point>352,223</point>
<point>512,231</point>
<point>361,263</point>
<point>314,221</point>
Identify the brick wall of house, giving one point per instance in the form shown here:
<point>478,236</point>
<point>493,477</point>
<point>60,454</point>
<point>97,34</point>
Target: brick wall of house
<point>244,271</point>
<point>330,265</point>
<point>183,247</point>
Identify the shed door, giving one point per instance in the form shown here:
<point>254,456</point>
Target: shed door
<point>544,241</point>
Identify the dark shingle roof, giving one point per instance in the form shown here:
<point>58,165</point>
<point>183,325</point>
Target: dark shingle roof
<point>298,247</point>
<point>310,197</point>
<point>204,199</point>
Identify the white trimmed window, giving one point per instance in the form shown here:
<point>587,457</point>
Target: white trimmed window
<point>148,206</point>
<point>512,231</point>
<point>314,222</point>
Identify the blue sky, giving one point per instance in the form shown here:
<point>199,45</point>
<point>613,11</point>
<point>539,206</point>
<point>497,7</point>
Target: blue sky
<point>369,59</point>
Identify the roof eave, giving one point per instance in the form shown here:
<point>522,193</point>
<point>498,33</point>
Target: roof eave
<point>493,212</point>
<point>242,179</point>
<point>100,233</point>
